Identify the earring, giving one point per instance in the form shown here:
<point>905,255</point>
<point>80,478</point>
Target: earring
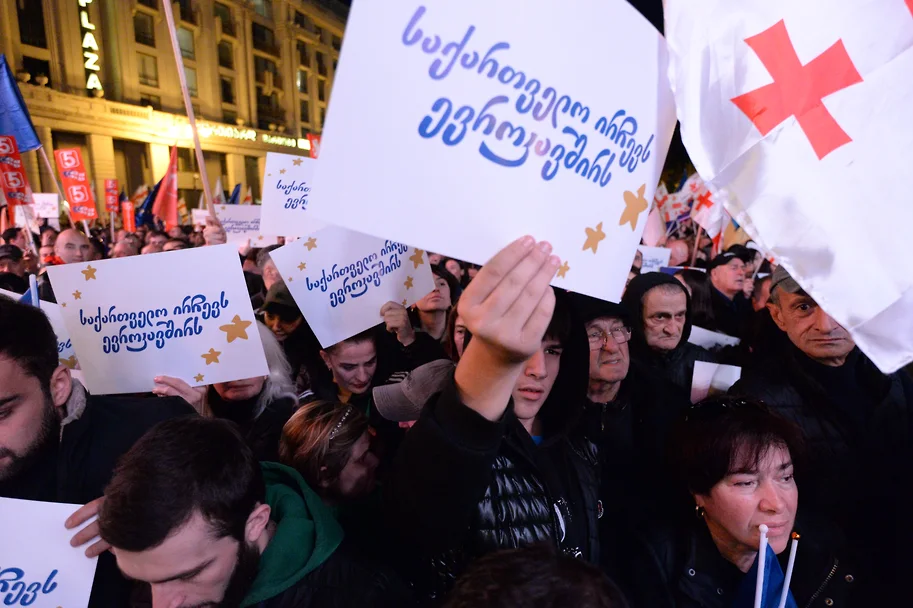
<point>699,511</point>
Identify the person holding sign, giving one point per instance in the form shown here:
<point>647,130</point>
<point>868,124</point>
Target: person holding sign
<point>498,459</point>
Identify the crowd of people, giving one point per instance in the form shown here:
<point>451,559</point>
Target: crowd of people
<point>500,443</point>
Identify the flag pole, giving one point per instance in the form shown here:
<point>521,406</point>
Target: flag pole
<point>762,556</point>
<point>168,9</point>
<point>697,243</point>
<point>794,547</point>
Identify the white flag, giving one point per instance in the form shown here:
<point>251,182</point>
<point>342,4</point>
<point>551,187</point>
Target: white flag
<point>801,110</point>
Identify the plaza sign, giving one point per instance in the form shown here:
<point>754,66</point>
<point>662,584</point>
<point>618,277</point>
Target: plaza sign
<point>89,47</point>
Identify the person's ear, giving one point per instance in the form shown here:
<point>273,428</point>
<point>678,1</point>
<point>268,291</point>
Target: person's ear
<point>257,522</point>
<point>776,313</point>
<point>61,386</point>
<point>326,359</point>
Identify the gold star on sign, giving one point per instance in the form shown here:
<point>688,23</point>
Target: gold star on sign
<point>260,238</point>
<point>311,243</point>
<point>224,208</point>
<point>281,171</point>
<point>635,204</point>
<point>64,304</point>
<point>594,237</point>
<point>77,295</point>
<point>290,279</point>
<point>198,378</point>
<point>417,258</point>
<point>302,266</point>
<point>236,329</point>
<point>89,272</point>
<point>211,357</point>
<point>297,162</point>
<point>408,283</point>
<point>405,303</point>
<point>70,362</point>
<point>562,270</point>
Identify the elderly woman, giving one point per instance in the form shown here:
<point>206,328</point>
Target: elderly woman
<point>736,460</point>
<point>260,406</point>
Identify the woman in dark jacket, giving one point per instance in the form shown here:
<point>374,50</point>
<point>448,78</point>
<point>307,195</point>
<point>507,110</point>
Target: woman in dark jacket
<point>464,486</point>
<point>736,460</point>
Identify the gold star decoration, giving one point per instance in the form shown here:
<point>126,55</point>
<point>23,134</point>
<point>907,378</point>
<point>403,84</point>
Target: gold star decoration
<point>89,272</point>
<point>224,208</point>
<point>269,175</point>
<point>562,270</point>
<point>311,243</point>
<point>77,295</point>
<point>594,237</point>
<point>236,329</point>
<point>302,266</point>
<point>290,279</point>
<point>64,304</point>
<point>198,378</point>
<point>297,162</point>
<point>405,303</point>
<point>635,204</point>
<point>211,357</point>
<point>408,283</point>
<point>281,171</point>
<point>417,258</point>
<point>260,238</point>
<point>70,362</point>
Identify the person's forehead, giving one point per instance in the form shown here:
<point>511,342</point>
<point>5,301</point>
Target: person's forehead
<point>14,378</point>
<point>355,353</point>
<point>605,322</point>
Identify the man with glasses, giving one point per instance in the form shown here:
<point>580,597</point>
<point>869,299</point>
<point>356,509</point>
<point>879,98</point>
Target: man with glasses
<point>661,311</point>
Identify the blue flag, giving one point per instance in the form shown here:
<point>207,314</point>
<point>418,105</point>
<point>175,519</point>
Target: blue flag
<point>773,585</point>
<point>14,116</point>
<point>235,197</point>
<point>144,213</point>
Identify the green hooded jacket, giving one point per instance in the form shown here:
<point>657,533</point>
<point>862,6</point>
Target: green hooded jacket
<point>306,534</point>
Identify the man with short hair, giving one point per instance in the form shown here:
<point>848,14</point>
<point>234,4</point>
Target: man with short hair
<point>72,247</point>
<point>661,311</point>
<point>190,511</point>
<point>150,248</point>
<point>731,309</point>
<point>11,260</point>
<point>124,248</point>
<point>175,244</point>
<point>157,239</point>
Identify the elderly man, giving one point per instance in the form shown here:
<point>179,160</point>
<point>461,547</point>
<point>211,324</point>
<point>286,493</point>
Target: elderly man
<point>731,308</point>
<point>661,311</point>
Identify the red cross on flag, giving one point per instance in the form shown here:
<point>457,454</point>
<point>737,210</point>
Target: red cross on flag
<point>801,111</point>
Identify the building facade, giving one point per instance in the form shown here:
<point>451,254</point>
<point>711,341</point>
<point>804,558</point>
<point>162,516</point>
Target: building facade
<point>100,75</point>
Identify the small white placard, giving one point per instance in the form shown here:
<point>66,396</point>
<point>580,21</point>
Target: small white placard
<point>710,339</point>
<point>654,258</point>
<point>287,183</point>
<point>711,379</point>
<point>240,222</point>
<point>46,204</point>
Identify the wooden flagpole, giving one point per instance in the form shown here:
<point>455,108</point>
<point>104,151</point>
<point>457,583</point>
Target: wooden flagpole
<point>697,244</point>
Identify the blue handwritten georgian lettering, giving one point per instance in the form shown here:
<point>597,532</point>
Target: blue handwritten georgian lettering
<point>158,337</point>
<point>353,270</point>
<point>19,592</point>
<point>62,346</point>
<point>197,304</point>
<point>393,247</point>
<point>296,194</point>
<point>359,287</point>
<point>622,134</point>
<point>136,320</point>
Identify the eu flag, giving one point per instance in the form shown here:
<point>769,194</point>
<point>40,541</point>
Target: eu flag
<point>144,213</point>
<point>235,197</point>
<point>773,585</point>
<point>14,116</point>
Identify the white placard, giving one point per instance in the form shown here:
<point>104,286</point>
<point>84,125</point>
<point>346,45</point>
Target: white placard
<point>241,222</point>
<point>499,133</point>
<point>655,258</point>
<point>340,279</point>
<point>711,379</point>
<point>287,183</point>
<point>46,205</point>
<point>39,567</point>
<point>183,313</point>
<point>710,340</point>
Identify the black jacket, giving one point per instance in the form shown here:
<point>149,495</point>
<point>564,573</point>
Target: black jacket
<point>261,433</point>
<point>682,568</point>
<point>731,316</point>
<point>677,365</point>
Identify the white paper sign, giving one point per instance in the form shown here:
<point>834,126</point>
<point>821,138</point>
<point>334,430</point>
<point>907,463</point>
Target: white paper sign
<point>287,184</point>
<point>710,339</point>
<point>654,258</point>
<point>46,205</point>
<point>241,222</point>
<point>711,379</point>
<point>500,133</point>
<point>39,567</point>
<point>184,313</point>
<point>340,279</point>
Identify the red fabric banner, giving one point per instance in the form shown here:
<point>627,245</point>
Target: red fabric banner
<point>128,215</point>
<point>315,145</point>
<point>111,196</point>
<point>76,186</point>
<point>12,174</point>
<point>165,205</point>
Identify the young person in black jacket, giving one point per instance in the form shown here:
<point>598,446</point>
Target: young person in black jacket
<point>498,459</point>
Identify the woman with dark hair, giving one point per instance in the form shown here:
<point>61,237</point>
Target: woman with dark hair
<point>735,463</point>
<point>699,286</point>
<point>457,269</point>
<point>430,314</point>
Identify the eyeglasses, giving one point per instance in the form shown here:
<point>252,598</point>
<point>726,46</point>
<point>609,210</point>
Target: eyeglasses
<point>598,338</point>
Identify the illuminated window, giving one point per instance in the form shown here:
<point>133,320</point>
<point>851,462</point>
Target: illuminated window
<point>303,76</point>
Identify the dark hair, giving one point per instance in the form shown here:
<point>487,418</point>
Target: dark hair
<point>96,244</point>
<point>759,286</point>
<point>26,337</point>
<point>455,289</point>
<point>13,282</point>
<point>367,335</point>
<point>701,303</point>
<point>562,323</point>
<point>534,576</point>
<point>183,243</point>
<point>180,467</point>
<point>156,232</point>
<point>10,233</point>
<point>718,436</point>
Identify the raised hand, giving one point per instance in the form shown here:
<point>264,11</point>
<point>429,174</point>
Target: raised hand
<point>213,233</point>
<point>396,317</point>
<point>90,532</point>
<point>166,386</point>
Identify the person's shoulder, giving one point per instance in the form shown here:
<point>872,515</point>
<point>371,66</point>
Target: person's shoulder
<point>136,411</point>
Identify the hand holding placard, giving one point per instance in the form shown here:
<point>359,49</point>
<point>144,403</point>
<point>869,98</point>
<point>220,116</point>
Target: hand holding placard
<point>396,318</point>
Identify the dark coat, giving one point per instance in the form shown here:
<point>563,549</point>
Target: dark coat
<point>261,433</point>
<point>677,365</point>
<point>682,568</point>
<point>731,316</point>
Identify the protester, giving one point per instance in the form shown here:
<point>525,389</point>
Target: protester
<point>431,311</point>
<point>268,273</point>
<point>191,512</point>
<point>11,260</point>
<point>157,239</point>
<point>124,248</point>
<point>457,269</point>
<point>736,462</point>
<point>281,315</point>
<point>15,236</point>
<point>13,282</point>
<point>761,294</point>
<point>260,406</point>
<point>48,236</point>
<point>534,576</point>
<point>435,258</point>
<point>175,245</point>
<point>699,287</point>
<point>473,475</point>
<point>58,443</point>
<point>151,248</point>
<point>72,247</point>
<point>661,311</point>
<point>679,252</point>
<point>731,308</point>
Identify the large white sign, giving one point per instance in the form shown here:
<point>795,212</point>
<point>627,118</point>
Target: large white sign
<point>185,314</point>
<point>340,279</point>
<point>503,130</point>
<point>38,567</point>
<point>287,184</point>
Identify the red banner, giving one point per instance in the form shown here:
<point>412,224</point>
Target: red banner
<point>12,174</point>
<point>76,186</point>
<point>315,145</point>
<point>128,215</point>
<point>111,198</point>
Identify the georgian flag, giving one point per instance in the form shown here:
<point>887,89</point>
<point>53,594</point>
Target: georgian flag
<point>803,112</point>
